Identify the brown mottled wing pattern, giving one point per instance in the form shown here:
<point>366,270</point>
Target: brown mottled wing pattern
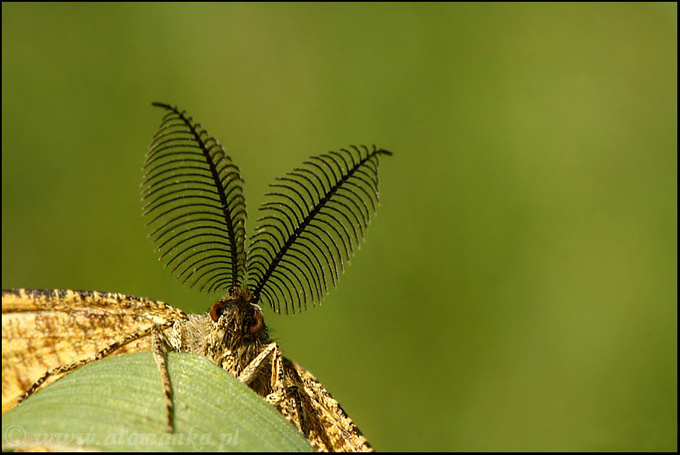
<point>323,421</point>
<point>43,329</point>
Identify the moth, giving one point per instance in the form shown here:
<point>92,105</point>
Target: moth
<point>312,220</point>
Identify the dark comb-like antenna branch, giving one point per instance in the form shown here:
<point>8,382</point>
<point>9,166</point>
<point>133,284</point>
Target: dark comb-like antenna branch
<point>193,195</point>
<point>314,218</point>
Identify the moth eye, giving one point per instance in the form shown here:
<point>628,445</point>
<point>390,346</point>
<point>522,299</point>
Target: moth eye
<point>257,325</point>
<point>216,310</point>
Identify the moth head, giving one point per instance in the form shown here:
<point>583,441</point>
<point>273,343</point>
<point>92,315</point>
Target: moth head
<point>239,317</point>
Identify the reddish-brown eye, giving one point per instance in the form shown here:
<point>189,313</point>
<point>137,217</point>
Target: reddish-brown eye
<point>216,310</point>
<point>257,325</point>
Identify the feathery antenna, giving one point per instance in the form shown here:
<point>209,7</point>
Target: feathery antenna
<point>194,199</point>
<point>314,218</point>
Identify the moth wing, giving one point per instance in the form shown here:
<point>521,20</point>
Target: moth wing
<point>328,425</point>
<point>44,329</point>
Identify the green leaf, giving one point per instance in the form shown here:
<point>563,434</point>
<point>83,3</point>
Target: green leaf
<point>117,404</point>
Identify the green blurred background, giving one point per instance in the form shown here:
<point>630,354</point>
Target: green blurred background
<point>517,290</point>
